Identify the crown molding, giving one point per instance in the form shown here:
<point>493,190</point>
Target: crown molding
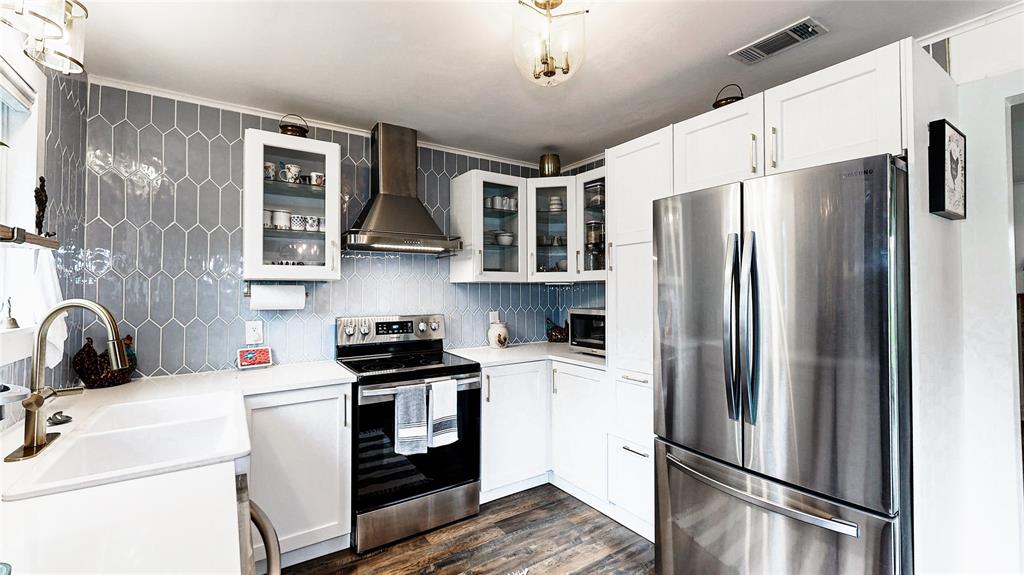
<point>973,23</point>
<point>583,162</point>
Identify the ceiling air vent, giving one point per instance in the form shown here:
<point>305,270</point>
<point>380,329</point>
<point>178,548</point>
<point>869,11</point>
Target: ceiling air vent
<point>776,42</point>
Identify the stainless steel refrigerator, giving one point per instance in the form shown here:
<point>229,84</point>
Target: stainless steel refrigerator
<point>781,374</point>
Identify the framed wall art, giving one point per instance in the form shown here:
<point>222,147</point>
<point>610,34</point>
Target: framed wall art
<point>947,171</point>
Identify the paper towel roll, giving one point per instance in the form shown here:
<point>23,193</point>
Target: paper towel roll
<point>277,297</point>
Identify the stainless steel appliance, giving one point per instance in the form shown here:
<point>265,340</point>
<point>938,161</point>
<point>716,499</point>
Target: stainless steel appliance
<point>781,379</point>
<point>395,220</point>
<point>587,330</point>
<point>394,495</point>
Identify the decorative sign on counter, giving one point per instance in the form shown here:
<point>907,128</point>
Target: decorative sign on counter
<point>249,357</point>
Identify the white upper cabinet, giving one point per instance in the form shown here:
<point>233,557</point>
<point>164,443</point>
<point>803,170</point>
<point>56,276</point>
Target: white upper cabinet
<point>552,223</point>
<point>639,172</point>
<point>590,238</point>
<point>291,224</point>
<point>514,430</point>
<point>722,146</point>
<point>489,214</point>
<point>850,110</point>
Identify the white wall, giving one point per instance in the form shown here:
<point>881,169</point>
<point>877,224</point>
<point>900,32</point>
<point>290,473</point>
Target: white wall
<point>990,46</point>
<point>990,323</point>
<point>940,448</point>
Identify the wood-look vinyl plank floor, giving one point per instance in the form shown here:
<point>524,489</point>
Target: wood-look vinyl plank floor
<point>543,529</point>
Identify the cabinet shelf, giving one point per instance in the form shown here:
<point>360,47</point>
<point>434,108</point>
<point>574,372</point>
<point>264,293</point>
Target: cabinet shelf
<point>293,190</point>
<point>499,213</point>
<point>501,246</point>
<point>274,233</point>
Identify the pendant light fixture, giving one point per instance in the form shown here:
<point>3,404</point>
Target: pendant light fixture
<point>34,18</point>
<point>549,47</point>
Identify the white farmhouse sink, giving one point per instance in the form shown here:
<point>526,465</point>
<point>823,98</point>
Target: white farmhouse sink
<point>157,411</point>
<point>131,440</point>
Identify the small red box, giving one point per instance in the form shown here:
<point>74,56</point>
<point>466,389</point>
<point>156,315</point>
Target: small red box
<point>254,357</point>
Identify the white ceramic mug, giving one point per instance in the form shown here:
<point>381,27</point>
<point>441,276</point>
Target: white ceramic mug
<point>290,173</point>
<point>312,223</point>
<point>298,222</point>
<point>282,219</point>
<point>268,219</point>
<point>317,179</point>
<point>269,171</point>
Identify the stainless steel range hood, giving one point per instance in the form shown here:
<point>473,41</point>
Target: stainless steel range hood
<point>395,220</point>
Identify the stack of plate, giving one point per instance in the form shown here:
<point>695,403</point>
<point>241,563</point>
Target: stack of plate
<point>555,204</point>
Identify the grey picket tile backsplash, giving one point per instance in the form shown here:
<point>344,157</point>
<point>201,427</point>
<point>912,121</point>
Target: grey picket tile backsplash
<point>163,243</point>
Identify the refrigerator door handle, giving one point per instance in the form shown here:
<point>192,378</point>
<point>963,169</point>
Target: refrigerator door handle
<point>835,524</point>
<point>729,281</point>
<point>750,326</point>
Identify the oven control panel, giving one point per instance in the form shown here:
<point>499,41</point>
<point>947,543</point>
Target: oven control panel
<point>379,329</point>
<point>393,327</point>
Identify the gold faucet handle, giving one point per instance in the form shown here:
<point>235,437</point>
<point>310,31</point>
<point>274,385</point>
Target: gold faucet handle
<point>36,400</point>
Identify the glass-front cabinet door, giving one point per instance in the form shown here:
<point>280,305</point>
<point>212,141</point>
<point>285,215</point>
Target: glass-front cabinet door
<point>489,214</point>
<point>552,218</point>
<point>589,256</point>
<point>292,211</point>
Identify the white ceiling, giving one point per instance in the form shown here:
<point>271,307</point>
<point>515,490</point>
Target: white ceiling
<point>446,68</point>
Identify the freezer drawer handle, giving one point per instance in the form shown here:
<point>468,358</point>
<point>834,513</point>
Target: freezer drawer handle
<point>837,525</point>
<point>730,279</point>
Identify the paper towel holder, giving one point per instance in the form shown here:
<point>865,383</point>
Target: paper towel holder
<point>247,292</point>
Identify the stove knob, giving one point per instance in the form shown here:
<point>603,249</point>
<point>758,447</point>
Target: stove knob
<point>434,326</point>
<point>422,326</point>
<point>364,329</point>
<point>349,330</point>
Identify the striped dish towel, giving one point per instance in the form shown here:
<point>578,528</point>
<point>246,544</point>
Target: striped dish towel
<point>411,420</point>
<point>444,413</point>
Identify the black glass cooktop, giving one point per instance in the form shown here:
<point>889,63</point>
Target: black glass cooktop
<point>410,365</point>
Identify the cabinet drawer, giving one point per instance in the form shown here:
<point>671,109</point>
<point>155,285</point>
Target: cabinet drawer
<point>633,412</point>
<point>631,476</point>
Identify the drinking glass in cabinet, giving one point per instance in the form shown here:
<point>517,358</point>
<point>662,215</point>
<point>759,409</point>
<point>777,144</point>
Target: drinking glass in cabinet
<point>293,184</point>
<point>594,225</point>
<point>552,229</point>
<point>501,228</point>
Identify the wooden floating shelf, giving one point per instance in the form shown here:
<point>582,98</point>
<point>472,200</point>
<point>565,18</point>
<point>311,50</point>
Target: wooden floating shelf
<point>18,237</point>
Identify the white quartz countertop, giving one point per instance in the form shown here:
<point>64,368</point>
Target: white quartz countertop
<point>121,518</point>
<point>490,357</point>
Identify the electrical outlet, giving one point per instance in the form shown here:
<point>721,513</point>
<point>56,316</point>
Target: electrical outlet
<point>253,332</point>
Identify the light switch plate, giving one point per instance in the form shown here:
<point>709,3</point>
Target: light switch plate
<point>253,332</point>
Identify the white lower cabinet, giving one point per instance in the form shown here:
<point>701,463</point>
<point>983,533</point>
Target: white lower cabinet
<point>515,425</point>
<point>300,464</point>
<point>631,477</point>
<point>579,415</point>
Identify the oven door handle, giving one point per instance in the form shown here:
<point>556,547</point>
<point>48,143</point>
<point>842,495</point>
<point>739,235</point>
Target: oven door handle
<point>464,384</point>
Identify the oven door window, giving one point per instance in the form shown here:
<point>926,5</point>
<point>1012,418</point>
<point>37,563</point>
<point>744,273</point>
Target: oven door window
<point>383,477</point>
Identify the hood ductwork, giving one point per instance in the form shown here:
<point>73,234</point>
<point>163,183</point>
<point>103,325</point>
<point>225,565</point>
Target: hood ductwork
<point>395,220</point>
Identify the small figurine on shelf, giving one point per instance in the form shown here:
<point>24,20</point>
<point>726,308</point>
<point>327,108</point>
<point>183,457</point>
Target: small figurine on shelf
<point>40,205</point>
<point>94,369</point>
<point>556,333</point>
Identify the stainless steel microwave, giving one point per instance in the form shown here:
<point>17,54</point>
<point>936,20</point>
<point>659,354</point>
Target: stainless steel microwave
<point>586,330</point>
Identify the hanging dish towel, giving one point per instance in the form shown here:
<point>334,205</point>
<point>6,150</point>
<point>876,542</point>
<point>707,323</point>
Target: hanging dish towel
<point>48,295</point>
<point>444,413</point>
<point>411,420</point>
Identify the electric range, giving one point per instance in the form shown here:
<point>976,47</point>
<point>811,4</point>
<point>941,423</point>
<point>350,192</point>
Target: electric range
<point>394,495</point>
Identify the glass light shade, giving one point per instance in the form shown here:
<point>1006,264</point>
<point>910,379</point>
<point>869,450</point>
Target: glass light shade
<point>549,52</point>
<point>40,19</point>
<point>65,54</point>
